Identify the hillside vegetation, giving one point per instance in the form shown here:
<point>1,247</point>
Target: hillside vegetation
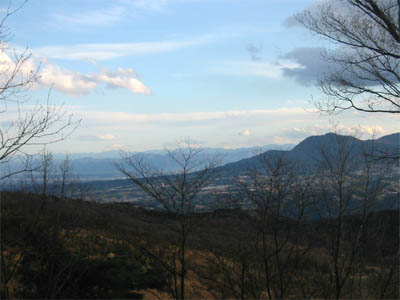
<point>53,248</point>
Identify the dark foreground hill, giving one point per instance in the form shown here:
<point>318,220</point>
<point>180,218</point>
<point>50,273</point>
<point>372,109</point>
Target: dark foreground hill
<point>71,249</point>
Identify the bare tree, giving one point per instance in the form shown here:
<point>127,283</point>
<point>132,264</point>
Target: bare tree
<point>32,242</point>
<point>366,72</point>
<point>347,188</point>
<point>48,176</point>
<point>65,170</point>
<point>264,247</point>
<point>24,124</point>
<point>278,198</point>
<point>43,173</point>
<point>180,194</point>
<point>230,268</point>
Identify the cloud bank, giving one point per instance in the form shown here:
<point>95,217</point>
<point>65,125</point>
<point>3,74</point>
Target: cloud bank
<point>360,131</point>
<point>238,128</point>
<point>268,70</point>
<point>309,65</point>
<point>132,119</point>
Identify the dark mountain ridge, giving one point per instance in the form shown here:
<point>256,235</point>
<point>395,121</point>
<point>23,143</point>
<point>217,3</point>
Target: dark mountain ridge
<point>309,152</point>
<point>391,139</point>
<point>305,155</point>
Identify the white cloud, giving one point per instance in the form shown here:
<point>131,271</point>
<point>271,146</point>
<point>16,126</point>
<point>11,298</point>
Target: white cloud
<point>64,81</point>
<point>293,123</point>
<point>17,75</point>
<point>71,82</point>
<point>108,137</point>
<point>123,78</point>
<point>101,137</point>
<point>362,131</point>
<point>359,131</point>
<point>245,133</point>
<point>118,147</point>
<point>75,83</point>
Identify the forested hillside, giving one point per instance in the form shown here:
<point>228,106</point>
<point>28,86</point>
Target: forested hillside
<point>63,249</point>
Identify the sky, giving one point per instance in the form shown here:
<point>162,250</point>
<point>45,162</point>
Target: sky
<point>145,74</point>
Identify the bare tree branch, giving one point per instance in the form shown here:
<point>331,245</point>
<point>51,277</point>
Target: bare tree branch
<point>25,124</point>
<point>367,76</point>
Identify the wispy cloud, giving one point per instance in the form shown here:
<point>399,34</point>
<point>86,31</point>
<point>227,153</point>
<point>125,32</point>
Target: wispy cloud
<point>156,5</point>
<point>187,118</point>
<point>104,51</point>
<point>120,10</point>
<point>99,17</point>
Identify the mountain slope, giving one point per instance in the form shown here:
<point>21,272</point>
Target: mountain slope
<point>392,139</point>
<point>308,153</point>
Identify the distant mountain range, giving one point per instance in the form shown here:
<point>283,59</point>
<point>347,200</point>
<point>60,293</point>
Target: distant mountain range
<point>106,183</point>
<point>306,156</point>
<point>232,154</point>
<point>100,166</point>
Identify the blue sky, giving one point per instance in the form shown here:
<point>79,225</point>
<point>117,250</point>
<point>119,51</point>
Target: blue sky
<point>142,74</point>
